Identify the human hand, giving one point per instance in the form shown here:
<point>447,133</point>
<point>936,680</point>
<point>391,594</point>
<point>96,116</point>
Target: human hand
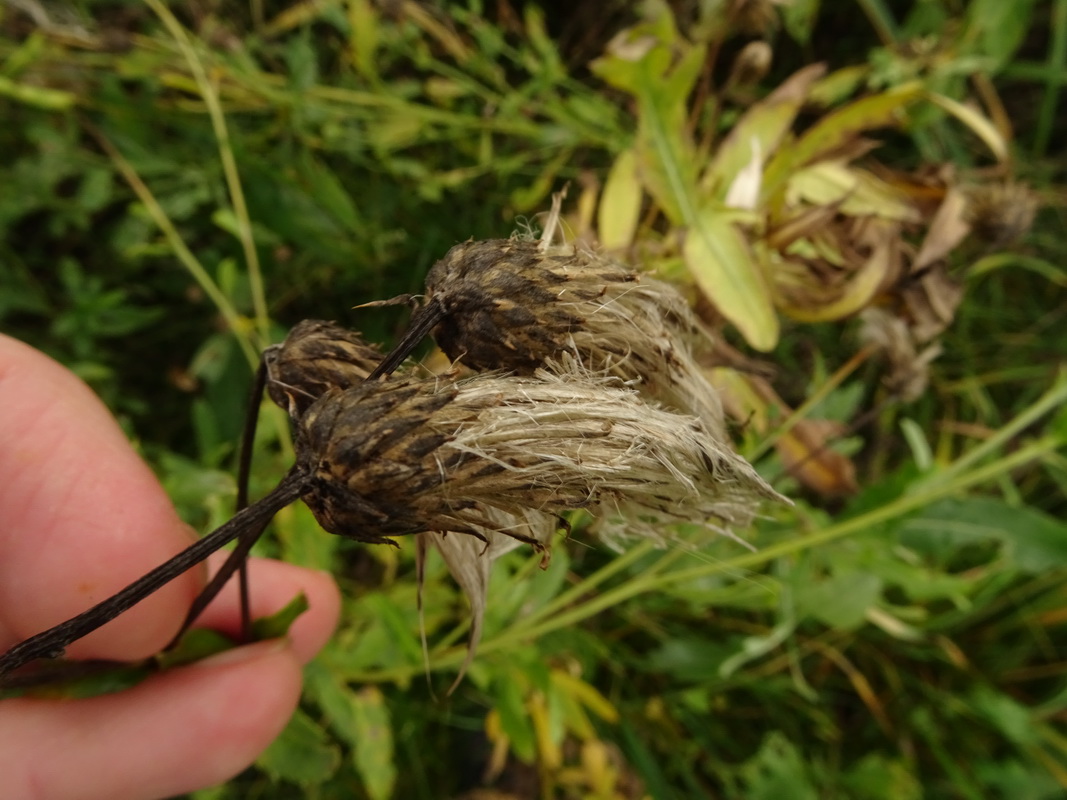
<point>81,516</point>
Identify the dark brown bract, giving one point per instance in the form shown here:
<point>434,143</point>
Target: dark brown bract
<point>509,304</point>
<point>316,356</point>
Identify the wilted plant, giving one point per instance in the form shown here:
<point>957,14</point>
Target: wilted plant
<point>492,455</point>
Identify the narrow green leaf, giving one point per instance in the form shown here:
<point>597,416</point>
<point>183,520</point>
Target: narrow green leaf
<point>278,623</point>
<point>39,96</point>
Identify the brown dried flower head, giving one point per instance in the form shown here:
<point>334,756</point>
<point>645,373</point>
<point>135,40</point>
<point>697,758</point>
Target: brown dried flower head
<point>316,356</point>
<point>1002,213</point>
<point>520,305</point>
<point>407,456</point>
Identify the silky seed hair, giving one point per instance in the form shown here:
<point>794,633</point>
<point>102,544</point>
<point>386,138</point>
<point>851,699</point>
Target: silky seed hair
<point>408,455</point>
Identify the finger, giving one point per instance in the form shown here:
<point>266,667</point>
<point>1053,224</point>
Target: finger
<point>272,585</point>
<point>182,730</point>
<point>81,515</point>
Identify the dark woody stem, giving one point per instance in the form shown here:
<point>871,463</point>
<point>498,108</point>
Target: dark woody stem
<point>422,322</point>
<point>52,642</point>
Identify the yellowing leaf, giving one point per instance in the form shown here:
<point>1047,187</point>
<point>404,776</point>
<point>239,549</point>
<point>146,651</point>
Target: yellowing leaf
<point>586,694</point>
<point>838,129</point>
<point>855,192</point>
<point>980,125</point>
<point>722,265</point>
<point>373,746</point>
<point>620,203</point>
<point>767,123</point>
<point>857,294</point>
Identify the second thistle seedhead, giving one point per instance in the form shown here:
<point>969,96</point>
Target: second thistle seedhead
<point>508,304</point>
<point>316,356</point>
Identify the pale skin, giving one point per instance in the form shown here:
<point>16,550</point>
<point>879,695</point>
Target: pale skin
<point>81,516</point>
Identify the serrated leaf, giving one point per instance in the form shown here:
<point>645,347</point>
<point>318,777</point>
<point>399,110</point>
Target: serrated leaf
<point>620,203</point>
<point>721,262</point>
<point>1033,540</point>
<point>303,754</point>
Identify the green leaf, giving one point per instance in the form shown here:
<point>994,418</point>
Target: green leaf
<point>1015,721</point>
<point>840,601</point>
<point>722,265</point>
<point>277,624</point>
<point>996,29</point>
<point>39,96</point>
<point>303,754</point>
<point>194,645</point>
<point>776,772</point>
<point>373,742</point>
<point>362,720</point>
<point>514,720</point>
<point>799,18</point>
<point>1034,541</point>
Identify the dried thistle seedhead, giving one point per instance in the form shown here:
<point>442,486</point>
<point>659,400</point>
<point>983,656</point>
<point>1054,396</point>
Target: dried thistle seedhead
<point>520,305</point>
<point>316,356</point>
<point>1002,213</point>
<point>408,456</point>
<point>507,304</point>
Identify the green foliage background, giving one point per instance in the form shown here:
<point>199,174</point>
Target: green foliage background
<point>180,186</point>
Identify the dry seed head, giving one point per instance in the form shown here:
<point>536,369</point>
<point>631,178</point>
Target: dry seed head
<point>408,456</point>
<point>519,305</point>
<point>1002,213</point>
<point>316,356</point>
